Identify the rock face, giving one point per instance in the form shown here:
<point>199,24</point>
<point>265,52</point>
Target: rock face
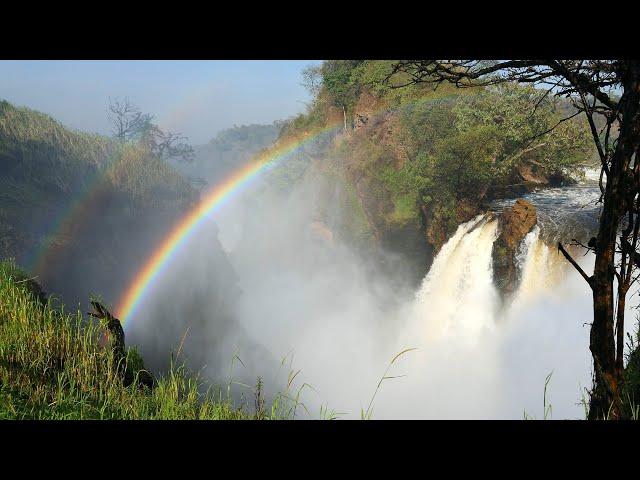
<point>526,178</point>
<point>439,230</point>
<point>364,110</point>
<point>515,223</point>
<point>320,231</point>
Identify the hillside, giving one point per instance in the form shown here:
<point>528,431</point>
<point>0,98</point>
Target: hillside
<point>420,162</point>
<point>65,191</point>
<point>81,213</point>
<point>54,365</point>
<point>227,151</point>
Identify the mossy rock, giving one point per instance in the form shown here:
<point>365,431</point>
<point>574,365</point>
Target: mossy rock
<point>515,223</point>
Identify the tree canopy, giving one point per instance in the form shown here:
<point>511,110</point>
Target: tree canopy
<point>607,94</point>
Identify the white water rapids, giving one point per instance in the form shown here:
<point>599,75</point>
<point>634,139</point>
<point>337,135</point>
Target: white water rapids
<point>316,302</point>
<point>474,357</point>
<point>478,358</point>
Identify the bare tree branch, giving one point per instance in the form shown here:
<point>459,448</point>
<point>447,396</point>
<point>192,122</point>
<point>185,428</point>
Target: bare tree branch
<point>587,278</point>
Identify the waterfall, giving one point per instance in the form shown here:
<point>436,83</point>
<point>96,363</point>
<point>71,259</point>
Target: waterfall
<point>476,355</point>
<point>458,297</point>
<point>486,358</point>
<point>542,269</point>
<point>458,291</point>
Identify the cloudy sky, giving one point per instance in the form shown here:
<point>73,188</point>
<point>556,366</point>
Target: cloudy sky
<point>195,98</point>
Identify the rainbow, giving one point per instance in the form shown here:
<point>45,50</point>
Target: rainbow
<point>64,223</point>
<point>161,257</point>
<point>213,200</point>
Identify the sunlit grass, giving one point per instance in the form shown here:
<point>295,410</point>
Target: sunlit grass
<point>56,365</point>
<point>53,366</point>
<point>367,414</point>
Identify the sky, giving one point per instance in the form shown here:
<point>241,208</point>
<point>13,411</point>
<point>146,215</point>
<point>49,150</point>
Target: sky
<point>195,98</point>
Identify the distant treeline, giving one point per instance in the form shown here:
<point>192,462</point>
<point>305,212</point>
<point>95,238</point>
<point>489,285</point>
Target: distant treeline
<point>227,151</point>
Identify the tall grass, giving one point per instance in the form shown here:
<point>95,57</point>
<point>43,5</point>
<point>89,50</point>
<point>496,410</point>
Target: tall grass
<point>58,365</point>
<point>367,414</point>
<point>54,365</point>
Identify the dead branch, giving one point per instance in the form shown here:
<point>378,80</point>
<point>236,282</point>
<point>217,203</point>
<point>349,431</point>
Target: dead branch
<point>628,248</point>
<point>575,265</point>
<point>116,332</point>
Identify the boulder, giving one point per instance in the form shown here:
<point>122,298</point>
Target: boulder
<point>515,223</point>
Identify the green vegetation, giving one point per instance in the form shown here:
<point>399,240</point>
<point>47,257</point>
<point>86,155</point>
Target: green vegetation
<point>52,366</point>
<point>351,220</point>
<point>56,365</point>
<point>438,151</point>
<point>404,152</point>
<point>145,180</point>
<point>45,168</point>
<point>229,150</point>
<point>247,137</point>
<point>37,150</point>
<point>40,155</point>
<point>631,389</point>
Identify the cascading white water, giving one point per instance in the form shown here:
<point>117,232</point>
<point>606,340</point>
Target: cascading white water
<point>458,297</point>
<point>481,358</point>
<point>541,269</point>
<point>459,285</point>
<point>476,355</point>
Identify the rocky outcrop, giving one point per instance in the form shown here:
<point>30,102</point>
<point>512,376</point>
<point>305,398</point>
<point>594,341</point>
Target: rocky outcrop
<point>514,224</point>
<point>364,110</point>
<point>321,232</point>
<point>526,178</point>
<point>120,357</point>
<point>439,227</point>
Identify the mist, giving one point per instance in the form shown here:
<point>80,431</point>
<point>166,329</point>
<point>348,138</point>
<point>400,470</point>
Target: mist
<point>278,292</point>
<point>292,282</point>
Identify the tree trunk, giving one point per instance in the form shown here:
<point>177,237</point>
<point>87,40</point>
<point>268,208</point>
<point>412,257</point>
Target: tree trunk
<point>601,342</point>
<point>605,399</point>
<point>344,114</point>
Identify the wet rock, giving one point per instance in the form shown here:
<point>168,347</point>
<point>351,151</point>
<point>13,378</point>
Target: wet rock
<point>320,231</point>
<point>514,224</point>
<point>440,226</point>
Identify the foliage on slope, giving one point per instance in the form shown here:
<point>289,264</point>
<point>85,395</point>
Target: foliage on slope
<point>67,191</point>
<point>423,160</point>
<point>38,153</point>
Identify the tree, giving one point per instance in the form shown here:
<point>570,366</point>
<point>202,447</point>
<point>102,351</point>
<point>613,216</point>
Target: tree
<point>166,144</point>
<point>464,178</point>
<point>523,122</point>
<point>336,78</point>
<point>126,119</point>
<point>130,124</point>
<point>607,93</point>
<point>312,79</point>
